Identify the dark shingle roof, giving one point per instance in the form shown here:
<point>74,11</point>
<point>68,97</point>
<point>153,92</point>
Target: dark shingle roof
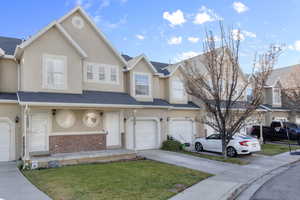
<point>94,97</point>
<point>276,108</point>
<point>158,65</point>
<point>8,96</point>
<point>9,44</point>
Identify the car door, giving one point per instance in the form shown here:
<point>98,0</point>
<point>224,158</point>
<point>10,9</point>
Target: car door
<point>212,143</point>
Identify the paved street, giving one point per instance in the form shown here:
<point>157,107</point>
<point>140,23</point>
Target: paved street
<point>284,186</point>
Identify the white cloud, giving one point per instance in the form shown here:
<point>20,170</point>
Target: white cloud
<point>86,4</point>
<point>249,34</point>
<point>140,37</point>
<point>175,40</point>
<point>193,39</point>
<point>237,35</point>
<point>206,15</point>
<point>107,24</point>
<point>123,1</point>
<point>239,7</point>
<point>104,4</point>
<point>215,38</point>
<point>175,18</point>
<point>186,55</point>
<point>97,19</point>
<point>295,46</point>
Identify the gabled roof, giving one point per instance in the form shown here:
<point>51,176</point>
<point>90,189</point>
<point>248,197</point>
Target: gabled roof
<point>283,75</point>
<point>134,61</point>
<point>159,66</point>
<point>94,26</point>
<point>9,44</point>
<point>25,44</point>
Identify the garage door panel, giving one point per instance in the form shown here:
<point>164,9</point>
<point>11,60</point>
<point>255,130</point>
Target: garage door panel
<point>182,130</point>
<point>4,141</point>
<point>146,135</point>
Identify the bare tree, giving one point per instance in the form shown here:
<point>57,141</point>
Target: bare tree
<point>215,79</point>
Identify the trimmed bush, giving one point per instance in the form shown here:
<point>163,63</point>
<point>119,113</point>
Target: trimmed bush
<point>171,145</point>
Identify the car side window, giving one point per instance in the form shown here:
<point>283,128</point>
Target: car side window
<point>214,137</point>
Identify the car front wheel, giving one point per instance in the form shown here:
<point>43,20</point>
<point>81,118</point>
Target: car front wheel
<point>198,147</point>
<point>231,152</point>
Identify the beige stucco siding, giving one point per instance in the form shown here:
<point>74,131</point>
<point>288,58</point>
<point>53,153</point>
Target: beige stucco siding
<point>163,90</point>
<point>97,50</point>
<point>10,112</point>
<point>142,67</point>
<point>79,126</point>
<point>53,43</point>
<point>270,116</point>
<point>8,75</point>
<point>177,75</point>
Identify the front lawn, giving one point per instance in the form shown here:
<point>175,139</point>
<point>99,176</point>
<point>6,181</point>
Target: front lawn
<point>130,180</point>
<point>217,158</point>
<point>274,149</point>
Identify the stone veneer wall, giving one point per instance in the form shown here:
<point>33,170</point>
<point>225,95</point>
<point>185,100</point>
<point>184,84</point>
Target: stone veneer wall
<point>76,143</point>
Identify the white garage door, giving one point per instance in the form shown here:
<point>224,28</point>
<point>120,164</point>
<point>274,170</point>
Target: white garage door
<point>182,130</point>
<point>4,141</point>
<point>297,120</point>
<point>146,135</point>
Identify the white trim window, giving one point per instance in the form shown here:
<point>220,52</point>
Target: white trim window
<point>101,73</point>
<point>276,96</point>
<point>142,84</point>
<point>178,90</point>
<point>55,72</point>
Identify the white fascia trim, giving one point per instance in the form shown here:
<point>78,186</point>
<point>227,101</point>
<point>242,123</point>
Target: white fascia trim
<point>94,26</point>
<point>70,39</point>
<point>183,108</point>
<point>8,101</point>
<point>171,74</point>
<point>265,107</point>
<point>147,61</point>
<point>78,105</point>
<point>9,57</point>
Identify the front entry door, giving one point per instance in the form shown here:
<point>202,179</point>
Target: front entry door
<point>112,125</point>
<point>38,138</point>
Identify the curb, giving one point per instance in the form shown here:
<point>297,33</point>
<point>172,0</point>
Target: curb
<point>237,191</point>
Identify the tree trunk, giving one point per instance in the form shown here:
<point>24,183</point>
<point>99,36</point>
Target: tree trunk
<point>224,152</point>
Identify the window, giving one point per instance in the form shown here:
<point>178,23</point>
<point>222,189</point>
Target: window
<point>178,89</point>
<point>102,73</point>
<point>54,72</point>
<point>113,74</point>
<point>276,96</point>
<point>142,84</point>
<point>249,94</point>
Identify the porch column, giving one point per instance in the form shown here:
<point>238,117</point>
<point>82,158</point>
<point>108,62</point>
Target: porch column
<point>26,133</point>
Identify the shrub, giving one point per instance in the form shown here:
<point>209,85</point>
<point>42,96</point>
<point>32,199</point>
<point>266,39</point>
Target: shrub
<point>171,145</point>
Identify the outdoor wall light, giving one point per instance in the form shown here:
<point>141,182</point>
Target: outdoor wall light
<point>161,119</point>
<point>101,114</point>
<point>54,112</point>
<point>125,119</point>
<point>17,119</point>
<point>168,119</point>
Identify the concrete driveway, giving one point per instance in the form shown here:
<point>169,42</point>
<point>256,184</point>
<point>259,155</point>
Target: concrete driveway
<point>192,162</point>
<point>14,186</point>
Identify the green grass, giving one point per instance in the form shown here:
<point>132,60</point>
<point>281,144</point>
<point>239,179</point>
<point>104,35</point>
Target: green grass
<point>217,158</point>
<point>274,149</point>
<point>133,180</point>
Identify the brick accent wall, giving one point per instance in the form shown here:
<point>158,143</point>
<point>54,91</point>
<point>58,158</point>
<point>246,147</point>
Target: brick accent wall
<point>76,143</point>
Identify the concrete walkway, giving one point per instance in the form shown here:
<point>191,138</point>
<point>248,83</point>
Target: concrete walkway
<point>229,179</point>
<point>14,186</point>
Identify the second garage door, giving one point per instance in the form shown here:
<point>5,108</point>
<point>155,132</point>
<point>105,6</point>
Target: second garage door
<point>182,130</point>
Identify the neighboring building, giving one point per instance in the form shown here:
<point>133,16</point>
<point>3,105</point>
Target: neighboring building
<point>277,106</point>
<point>66,90</point>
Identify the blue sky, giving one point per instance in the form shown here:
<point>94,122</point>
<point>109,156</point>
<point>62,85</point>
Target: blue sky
<point>169,30</point>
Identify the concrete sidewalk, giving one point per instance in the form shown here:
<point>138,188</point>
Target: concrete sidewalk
<point>14,186</point>
<point>229,179</point>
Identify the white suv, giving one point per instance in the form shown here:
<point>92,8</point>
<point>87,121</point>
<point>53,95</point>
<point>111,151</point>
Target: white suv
<point>239,144</point>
